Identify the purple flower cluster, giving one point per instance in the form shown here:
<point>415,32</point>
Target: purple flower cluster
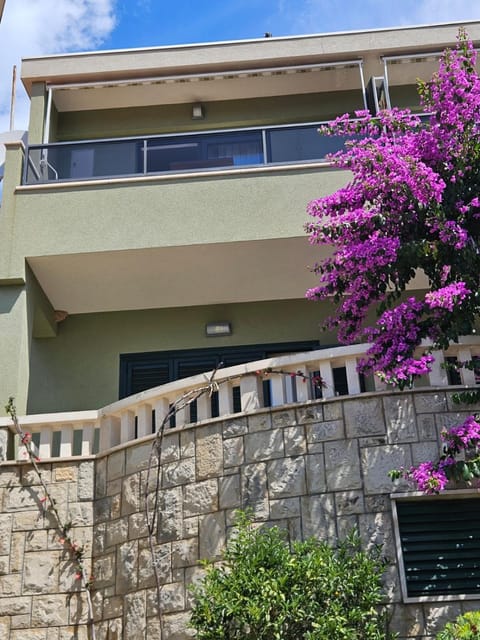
<point>447,297</point>
<point>411,204</point>
<point>432,477</point>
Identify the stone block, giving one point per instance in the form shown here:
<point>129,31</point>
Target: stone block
<point>407,620</point>
<point>323,431</point>
<point>115,465</point>
<point>100,477</point>
<point>130,494</point>
<point>137,526</point>
<point>282,418</point>
<point>426,427</point>
<point>28,634</point>
<point>200,498</point>
<point>4,565</point>
<point>184,553</point>
<point>229,492</point>
<point>212,535</point>
<point>187,443</point>
<point>102,510</point>
<point>64,472</point>
<point>116,532</point>
<point>175,626</point>
<point>10,476</point>
<point>259,422</point>
<point>18,605</point>
<point>17,550</point>
<point>113,607</point>
<point>86,480</point>
<point>263,445</point>
<point>81,514</point>
<point>233,452</point>
<point>254,484</point>
<point>437,616</point>
<point>378,461</point>
<point>135,616</point>
<point>170,514</point>
<point>235,427</point>
<point>423,451</point>
<point>342,465</point>
<point>162,562</point>
<point>349,502</point>
<point>40,573</point>
<point>286,477</point>
<point>209,451</point>
<point>178,473</point>
<point>6,522</point>
<point>332,410</point>
<point>50,610</point>
<point>318,517</point>
<point>294,441</point>
<point>364,417</point>
<point>400,418</point>
<point>30,475</point>
<point>172,597</point>
<point>10,585</point>
<point>21,499</point>
<point>377,529</point>
<point>315,469</point>
<point>310,413</point>
<point>190,527</point>
<point>284,508</point>
<point>104,570</point>
<point>127,566</point>
<point>137,458</point>
<point>170,447</point>
<point>430,402</point>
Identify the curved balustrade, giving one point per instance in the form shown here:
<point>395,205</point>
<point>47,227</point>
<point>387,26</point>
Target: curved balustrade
<point>84,433</point>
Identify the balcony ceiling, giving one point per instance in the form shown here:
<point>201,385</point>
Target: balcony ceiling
<point>207,87</point>
<point>177,276</point>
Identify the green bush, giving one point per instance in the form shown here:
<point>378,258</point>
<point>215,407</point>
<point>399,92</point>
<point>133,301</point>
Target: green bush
<point>265,590</point>
<point>466,627</point>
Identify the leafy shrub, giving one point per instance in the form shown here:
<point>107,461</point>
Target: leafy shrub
<point>466,627</point>
<point>265,590</point>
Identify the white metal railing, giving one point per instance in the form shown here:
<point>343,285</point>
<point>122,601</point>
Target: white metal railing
<point>84,433</point>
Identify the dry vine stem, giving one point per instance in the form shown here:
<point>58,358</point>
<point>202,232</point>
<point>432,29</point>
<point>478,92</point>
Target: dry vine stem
<point>76,551</point>
<point>156,453</point>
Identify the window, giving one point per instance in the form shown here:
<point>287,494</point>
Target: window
<point>439,545</point>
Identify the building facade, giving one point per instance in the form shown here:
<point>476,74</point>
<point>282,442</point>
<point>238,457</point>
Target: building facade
<point>153,228</point>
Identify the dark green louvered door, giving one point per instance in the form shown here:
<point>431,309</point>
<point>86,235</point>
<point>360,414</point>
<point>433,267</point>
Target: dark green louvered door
<point>440,541</point>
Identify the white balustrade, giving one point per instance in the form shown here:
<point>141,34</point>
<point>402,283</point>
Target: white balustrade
<point>80,433</point>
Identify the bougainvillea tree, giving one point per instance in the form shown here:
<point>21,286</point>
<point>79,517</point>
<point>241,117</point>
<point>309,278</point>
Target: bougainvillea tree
<point>412,205</point>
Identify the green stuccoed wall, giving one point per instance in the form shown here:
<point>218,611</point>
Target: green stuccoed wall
<point>79,368</point>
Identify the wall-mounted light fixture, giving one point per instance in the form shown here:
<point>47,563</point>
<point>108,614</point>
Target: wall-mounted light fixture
<point>198,112</point>
<point>213,329</point>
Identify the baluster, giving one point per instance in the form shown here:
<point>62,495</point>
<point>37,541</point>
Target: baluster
<point>88,435</point>
<point>161,407</point>
<point>45,445</point>
<point>326,374</point>
<point>127,426</point>
<point>109,432</point>
<point>303,389</point>
<point>353,380</point>
<point>251,393</point>
<point>468,376</point>
<point>182,416</point>
<point>277,389</point>
<point>225,399</point>
<point>66,441</point>
<point>144,420</point>
<point>438,375</point>
<point>204,407</point>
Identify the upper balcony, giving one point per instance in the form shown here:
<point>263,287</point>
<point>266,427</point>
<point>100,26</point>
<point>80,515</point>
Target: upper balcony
<point>185,152</point>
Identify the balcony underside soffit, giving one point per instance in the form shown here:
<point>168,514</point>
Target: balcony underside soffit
<point>207,88</point>
<point>165,277</point>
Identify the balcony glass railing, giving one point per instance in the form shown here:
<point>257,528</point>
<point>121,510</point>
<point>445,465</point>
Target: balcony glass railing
<point>189,152</point>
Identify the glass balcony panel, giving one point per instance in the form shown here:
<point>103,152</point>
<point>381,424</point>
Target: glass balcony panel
<point>296,144</point>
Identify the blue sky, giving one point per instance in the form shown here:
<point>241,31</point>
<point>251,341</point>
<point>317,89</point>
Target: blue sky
<point>39,27</point>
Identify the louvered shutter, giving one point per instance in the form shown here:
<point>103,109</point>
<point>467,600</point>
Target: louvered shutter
<point>440,541</point>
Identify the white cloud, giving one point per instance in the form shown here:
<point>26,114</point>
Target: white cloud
<point>37,27</point>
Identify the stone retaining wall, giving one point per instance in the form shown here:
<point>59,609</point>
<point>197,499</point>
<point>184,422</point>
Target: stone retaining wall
<point>315,469</point>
